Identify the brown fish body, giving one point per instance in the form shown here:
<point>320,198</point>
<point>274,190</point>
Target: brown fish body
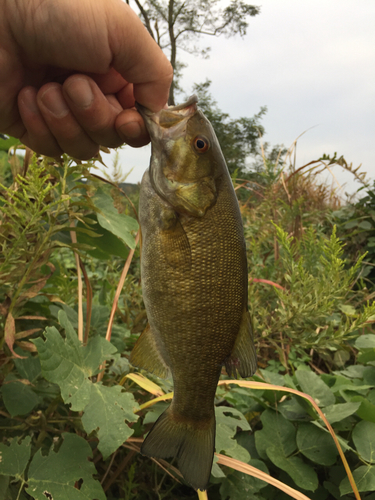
<point>194,282</point>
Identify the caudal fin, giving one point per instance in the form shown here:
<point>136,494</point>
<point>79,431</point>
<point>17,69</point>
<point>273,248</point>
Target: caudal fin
<point>192,443</point>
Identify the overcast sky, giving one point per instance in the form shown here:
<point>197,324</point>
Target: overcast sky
<point>312,63</point>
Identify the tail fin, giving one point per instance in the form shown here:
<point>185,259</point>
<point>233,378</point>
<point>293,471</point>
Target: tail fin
<point>192,443</point>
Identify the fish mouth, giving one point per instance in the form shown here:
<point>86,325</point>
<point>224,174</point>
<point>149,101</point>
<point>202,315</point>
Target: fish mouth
<point>168,121</point>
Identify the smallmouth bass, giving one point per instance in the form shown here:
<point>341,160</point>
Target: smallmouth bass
<point>194,284</point>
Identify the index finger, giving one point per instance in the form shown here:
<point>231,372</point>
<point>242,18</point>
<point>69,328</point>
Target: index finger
<point>139,59</point>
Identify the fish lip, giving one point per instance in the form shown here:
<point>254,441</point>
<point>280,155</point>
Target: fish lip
<point>184,110</point>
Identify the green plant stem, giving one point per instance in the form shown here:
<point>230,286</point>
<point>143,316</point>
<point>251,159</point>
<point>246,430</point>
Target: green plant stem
<point>21,488</point>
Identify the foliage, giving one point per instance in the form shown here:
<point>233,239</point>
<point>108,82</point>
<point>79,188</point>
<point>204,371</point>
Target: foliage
<point>238,138</point>
<point>73,414</point>
<point>356,223</point>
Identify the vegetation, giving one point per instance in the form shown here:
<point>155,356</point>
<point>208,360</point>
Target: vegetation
<point>73,412</point>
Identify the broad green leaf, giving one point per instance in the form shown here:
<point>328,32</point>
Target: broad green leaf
<point>106,413</point>
<point>354,371</point>
<point>240,486</point>
<point>292,409</point>
<point>276,432</point>
<point>14,458</point>
<point>5,144</point>
<point>104,246</point>
<point>55,475</point>
<point>364,477</point>
<point>366,341</point>
<point>216,470</point>
<point>364,440</point>
<point>316,444</point>
<point>232,418</point>
<point>62,364</point>
<point>28,368</point>
<point>19,398</point>
<point>226,428</point>
<point>366,411</point>
<point>69,364</point>
<point>313,385</point>
<point>365,224</point>
<point>120,225</point>
<point>335,413</point>
<point>369,375</point>
<point>302,474</point>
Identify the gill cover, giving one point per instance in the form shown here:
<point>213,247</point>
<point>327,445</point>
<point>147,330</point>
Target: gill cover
<point>186,157</point>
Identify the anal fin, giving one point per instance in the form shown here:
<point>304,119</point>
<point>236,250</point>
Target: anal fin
<point>243,358</point>
<point>145,354</point>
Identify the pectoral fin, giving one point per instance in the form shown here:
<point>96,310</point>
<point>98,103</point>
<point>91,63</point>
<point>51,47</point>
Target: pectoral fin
<point>243,359</point>
<point>146,355</point>
<point>174,243</point>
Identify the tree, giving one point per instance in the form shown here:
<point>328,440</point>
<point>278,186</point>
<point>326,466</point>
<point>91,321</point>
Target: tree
<point>238,137</point>
<point>174,24</point>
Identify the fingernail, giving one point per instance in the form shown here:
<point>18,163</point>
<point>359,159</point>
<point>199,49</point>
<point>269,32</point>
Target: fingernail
<point>131,129</point>
<point>79,91</point>
<point>54,101</point>
<point>28,99</point>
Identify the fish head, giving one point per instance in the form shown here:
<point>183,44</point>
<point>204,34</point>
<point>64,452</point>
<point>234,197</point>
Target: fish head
<point>186,159</point>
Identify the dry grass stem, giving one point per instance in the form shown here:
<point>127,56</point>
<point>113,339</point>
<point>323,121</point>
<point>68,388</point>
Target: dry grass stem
<point>73,237</point>
<point>116,299</point>
<point>252,471</point>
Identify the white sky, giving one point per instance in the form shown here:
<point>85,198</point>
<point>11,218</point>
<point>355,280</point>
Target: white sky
<point>312,63</point>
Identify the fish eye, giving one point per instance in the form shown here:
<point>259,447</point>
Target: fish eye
<point>201,144</point>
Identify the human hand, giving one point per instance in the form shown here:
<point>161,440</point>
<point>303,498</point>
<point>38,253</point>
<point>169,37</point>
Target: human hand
<point>70,73</point>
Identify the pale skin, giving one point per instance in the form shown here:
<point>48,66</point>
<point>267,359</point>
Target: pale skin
<point>71,71</point>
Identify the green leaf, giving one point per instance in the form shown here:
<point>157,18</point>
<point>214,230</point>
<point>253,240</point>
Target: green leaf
<point>14,458</point>
<point>69,364</point>
<point>292,409</point>
<point>367,410</point>
<point>120,225</point>
<point>366,341</point>
<point>335,413</point>
<point>366,225</point>
<point>313,385</point>
<point>216,470</point>
<point>276,432</point>
<point>316,444</point>
<point>55,475</point>
<point>105,245</point>
<point>240,486</point>
<point>364,440</point>
<point>347,309</point>
<point>19,398</point>
<point>364,477</point>
<point>28,368</point>
<point>302,474</point>
<point>106,413</point>
<point>226,428</point>
<point>5,144</point>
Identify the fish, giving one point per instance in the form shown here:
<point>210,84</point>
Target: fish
<point>194,284</point>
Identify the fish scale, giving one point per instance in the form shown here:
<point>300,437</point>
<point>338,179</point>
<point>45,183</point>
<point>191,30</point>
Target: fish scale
<point>194,283</point>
